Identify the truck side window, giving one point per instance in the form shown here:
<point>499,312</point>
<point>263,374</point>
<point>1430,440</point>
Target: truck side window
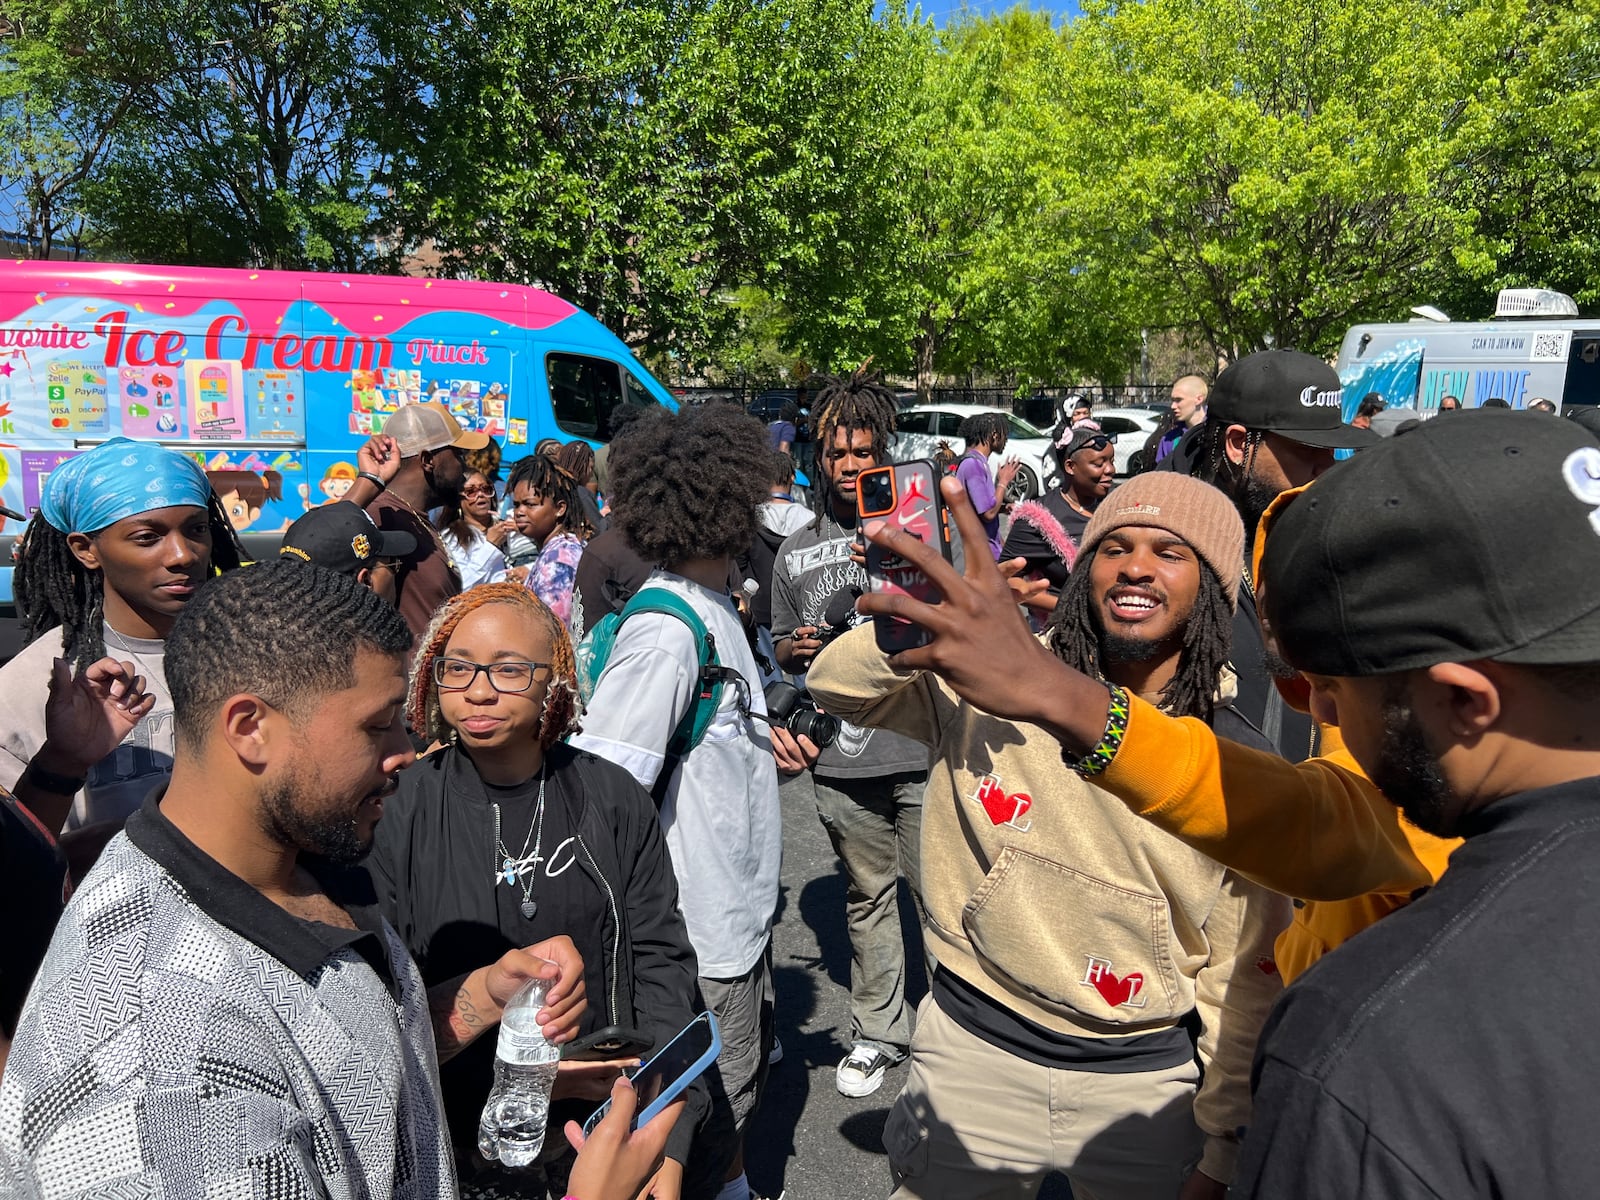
<point>583,391</point>
<point>638,395</point>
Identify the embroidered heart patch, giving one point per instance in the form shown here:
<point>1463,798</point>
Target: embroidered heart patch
<point>1117,992</point>
<point>1002,808</point>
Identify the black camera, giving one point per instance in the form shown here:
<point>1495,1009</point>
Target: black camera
<point>792,708</point>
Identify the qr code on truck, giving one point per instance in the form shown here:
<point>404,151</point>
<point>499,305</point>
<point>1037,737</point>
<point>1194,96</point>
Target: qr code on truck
<point>1550,347</point>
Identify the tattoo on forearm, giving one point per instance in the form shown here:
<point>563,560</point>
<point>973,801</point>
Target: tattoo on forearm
<point>456,1019</point>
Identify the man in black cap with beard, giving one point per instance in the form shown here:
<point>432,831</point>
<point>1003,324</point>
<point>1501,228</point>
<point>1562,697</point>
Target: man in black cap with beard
<point>1437,591</point>
<point>1272,423</point>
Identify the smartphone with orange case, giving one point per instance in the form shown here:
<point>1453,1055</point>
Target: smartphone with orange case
<point>906,497</point>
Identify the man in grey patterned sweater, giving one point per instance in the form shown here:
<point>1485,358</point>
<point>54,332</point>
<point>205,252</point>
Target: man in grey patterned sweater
<point>221,1013</point>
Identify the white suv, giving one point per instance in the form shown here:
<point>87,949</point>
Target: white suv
<point>919,430</point>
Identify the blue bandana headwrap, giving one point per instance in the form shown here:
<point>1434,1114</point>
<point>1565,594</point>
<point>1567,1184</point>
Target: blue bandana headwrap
<point>119,479</point>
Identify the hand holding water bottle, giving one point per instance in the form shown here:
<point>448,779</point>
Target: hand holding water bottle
<point>511,1129</point>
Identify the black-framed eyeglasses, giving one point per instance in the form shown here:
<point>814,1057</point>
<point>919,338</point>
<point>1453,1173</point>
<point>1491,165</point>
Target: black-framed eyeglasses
<point>508,675</point>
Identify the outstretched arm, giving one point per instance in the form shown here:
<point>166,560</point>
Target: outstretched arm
<point>1311,830</point>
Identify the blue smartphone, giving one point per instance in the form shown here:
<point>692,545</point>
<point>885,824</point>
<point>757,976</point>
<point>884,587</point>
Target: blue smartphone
<point>680,1062</point>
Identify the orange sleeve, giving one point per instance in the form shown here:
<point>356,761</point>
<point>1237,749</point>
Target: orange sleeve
<point>1313,830</point>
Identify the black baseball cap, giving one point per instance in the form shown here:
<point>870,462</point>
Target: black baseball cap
<point>1295,395</point>
<point>1463,540</point>
<point>343,538</point>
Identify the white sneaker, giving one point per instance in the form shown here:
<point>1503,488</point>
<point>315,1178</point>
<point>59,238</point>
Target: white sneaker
<point>775,1055</point>
<point>862,1071</point>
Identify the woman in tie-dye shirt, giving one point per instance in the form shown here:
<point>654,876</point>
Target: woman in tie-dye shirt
<point>546,510</point>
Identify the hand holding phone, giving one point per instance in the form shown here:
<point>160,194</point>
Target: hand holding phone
<point>906,497</point>
<point>619,1155</point>
<point>678,1064</point>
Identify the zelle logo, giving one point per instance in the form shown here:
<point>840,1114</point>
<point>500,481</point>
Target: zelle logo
<point>1311,398</point>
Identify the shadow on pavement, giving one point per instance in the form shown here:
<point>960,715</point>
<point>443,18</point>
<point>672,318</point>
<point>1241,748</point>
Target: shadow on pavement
<point>769,1142</point>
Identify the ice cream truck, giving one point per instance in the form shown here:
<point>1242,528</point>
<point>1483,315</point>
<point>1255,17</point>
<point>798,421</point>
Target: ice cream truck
<point>1535,347</point>
<point>273,379</point>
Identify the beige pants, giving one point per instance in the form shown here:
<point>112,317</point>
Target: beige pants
<point>977,1123</point>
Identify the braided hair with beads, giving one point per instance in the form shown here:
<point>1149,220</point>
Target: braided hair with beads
<point>560,713</point>
<point>53,588</point>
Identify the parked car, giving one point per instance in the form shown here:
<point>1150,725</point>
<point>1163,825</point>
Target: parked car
<point>1132,427</point>
<point>919,431</point>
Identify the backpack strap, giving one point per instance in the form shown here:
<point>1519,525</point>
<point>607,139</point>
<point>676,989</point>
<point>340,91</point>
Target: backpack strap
<point>693,724</point>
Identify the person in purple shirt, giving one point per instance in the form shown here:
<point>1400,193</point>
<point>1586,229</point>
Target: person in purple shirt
<point>985,434</point>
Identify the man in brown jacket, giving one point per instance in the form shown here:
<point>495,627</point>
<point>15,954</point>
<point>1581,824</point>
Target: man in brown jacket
<point>1089,965</point>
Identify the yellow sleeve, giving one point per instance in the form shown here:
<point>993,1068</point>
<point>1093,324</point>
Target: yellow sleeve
<point>1313,830</point>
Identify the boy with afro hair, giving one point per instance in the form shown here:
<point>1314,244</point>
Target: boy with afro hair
<point>685,487</point>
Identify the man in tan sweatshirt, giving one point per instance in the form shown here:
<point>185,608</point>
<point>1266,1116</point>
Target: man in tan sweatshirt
<point>1089,965</point>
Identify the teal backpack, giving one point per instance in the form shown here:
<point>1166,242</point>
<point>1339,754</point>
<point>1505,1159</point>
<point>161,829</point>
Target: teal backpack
<point>594,651</point>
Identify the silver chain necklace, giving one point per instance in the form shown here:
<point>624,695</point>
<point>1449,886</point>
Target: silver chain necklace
<point>511,871</point>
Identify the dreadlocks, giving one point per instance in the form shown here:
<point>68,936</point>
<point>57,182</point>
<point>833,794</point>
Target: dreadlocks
<point>549,480</point>
<point>1075,635</point>
<point>860,401</point>
<point>558,717</point>
<point>53,588</point>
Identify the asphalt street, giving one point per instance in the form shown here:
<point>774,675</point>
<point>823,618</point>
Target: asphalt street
<point>808,1142</point>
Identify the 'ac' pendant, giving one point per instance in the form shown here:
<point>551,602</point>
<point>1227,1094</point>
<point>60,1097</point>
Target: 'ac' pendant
<point>529,908</point>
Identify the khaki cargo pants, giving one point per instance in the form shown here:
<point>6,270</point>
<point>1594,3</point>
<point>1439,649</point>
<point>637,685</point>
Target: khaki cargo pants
<point>977,1123</point>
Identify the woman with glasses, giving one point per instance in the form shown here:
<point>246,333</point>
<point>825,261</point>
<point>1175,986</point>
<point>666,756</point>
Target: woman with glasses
<point>472,535</point>
<point>1046,531</point>
<point>504,836</point>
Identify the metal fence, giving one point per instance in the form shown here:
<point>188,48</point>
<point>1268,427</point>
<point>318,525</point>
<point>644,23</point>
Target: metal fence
<point>1101,396</point>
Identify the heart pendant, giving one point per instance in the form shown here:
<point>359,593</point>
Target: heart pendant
<point>529,908</point>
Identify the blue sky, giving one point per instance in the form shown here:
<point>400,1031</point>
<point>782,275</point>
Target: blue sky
<point>942,10</point>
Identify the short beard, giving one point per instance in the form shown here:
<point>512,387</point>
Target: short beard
<point>288,819</point>
<point>1408,773</point>
<point>1115,648</point>
<point>1252,499</point>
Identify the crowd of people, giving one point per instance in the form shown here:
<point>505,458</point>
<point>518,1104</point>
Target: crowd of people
<point>1245,806</point>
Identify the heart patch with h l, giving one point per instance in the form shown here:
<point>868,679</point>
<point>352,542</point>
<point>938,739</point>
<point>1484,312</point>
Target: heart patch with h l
<point>1126,991</point>
<point>1002,807</point>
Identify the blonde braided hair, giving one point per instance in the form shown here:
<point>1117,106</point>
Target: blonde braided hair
<point>559,717</point>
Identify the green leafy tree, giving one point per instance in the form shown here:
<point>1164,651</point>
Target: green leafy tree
<point>250,148</point>
<point>71,73</point>
<point>641,160</point>
<point>1280,168</point>
<point>1534,160</point>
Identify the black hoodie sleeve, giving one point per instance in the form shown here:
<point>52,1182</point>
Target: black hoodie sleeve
<point>663,969</point>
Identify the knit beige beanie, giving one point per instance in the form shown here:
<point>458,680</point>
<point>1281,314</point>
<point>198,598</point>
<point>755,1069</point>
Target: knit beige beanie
<point>1196,512</point>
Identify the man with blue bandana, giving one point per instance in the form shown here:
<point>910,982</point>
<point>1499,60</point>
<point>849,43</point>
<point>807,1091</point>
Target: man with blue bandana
<point>125,534</point>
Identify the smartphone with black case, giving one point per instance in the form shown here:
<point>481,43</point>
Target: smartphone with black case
<point>614,1041</point>
<point>906,497</point>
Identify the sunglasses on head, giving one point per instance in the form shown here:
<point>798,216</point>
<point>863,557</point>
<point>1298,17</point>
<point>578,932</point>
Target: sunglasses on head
<point>1098,442</point>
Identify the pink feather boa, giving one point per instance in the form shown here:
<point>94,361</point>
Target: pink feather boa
<point>1040,517</point>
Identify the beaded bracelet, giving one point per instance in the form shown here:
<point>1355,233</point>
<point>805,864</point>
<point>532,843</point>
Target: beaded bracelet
<point>1098,759</point>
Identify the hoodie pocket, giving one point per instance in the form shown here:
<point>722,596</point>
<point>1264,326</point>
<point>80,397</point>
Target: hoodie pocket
<point>1074,941</point>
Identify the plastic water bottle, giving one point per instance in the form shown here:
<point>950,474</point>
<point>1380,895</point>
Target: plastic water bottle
<point>511,1130</point>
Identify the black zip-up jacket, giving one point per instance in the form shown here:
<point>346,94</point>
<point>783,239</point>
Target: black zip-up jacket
<point>431,866</point>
